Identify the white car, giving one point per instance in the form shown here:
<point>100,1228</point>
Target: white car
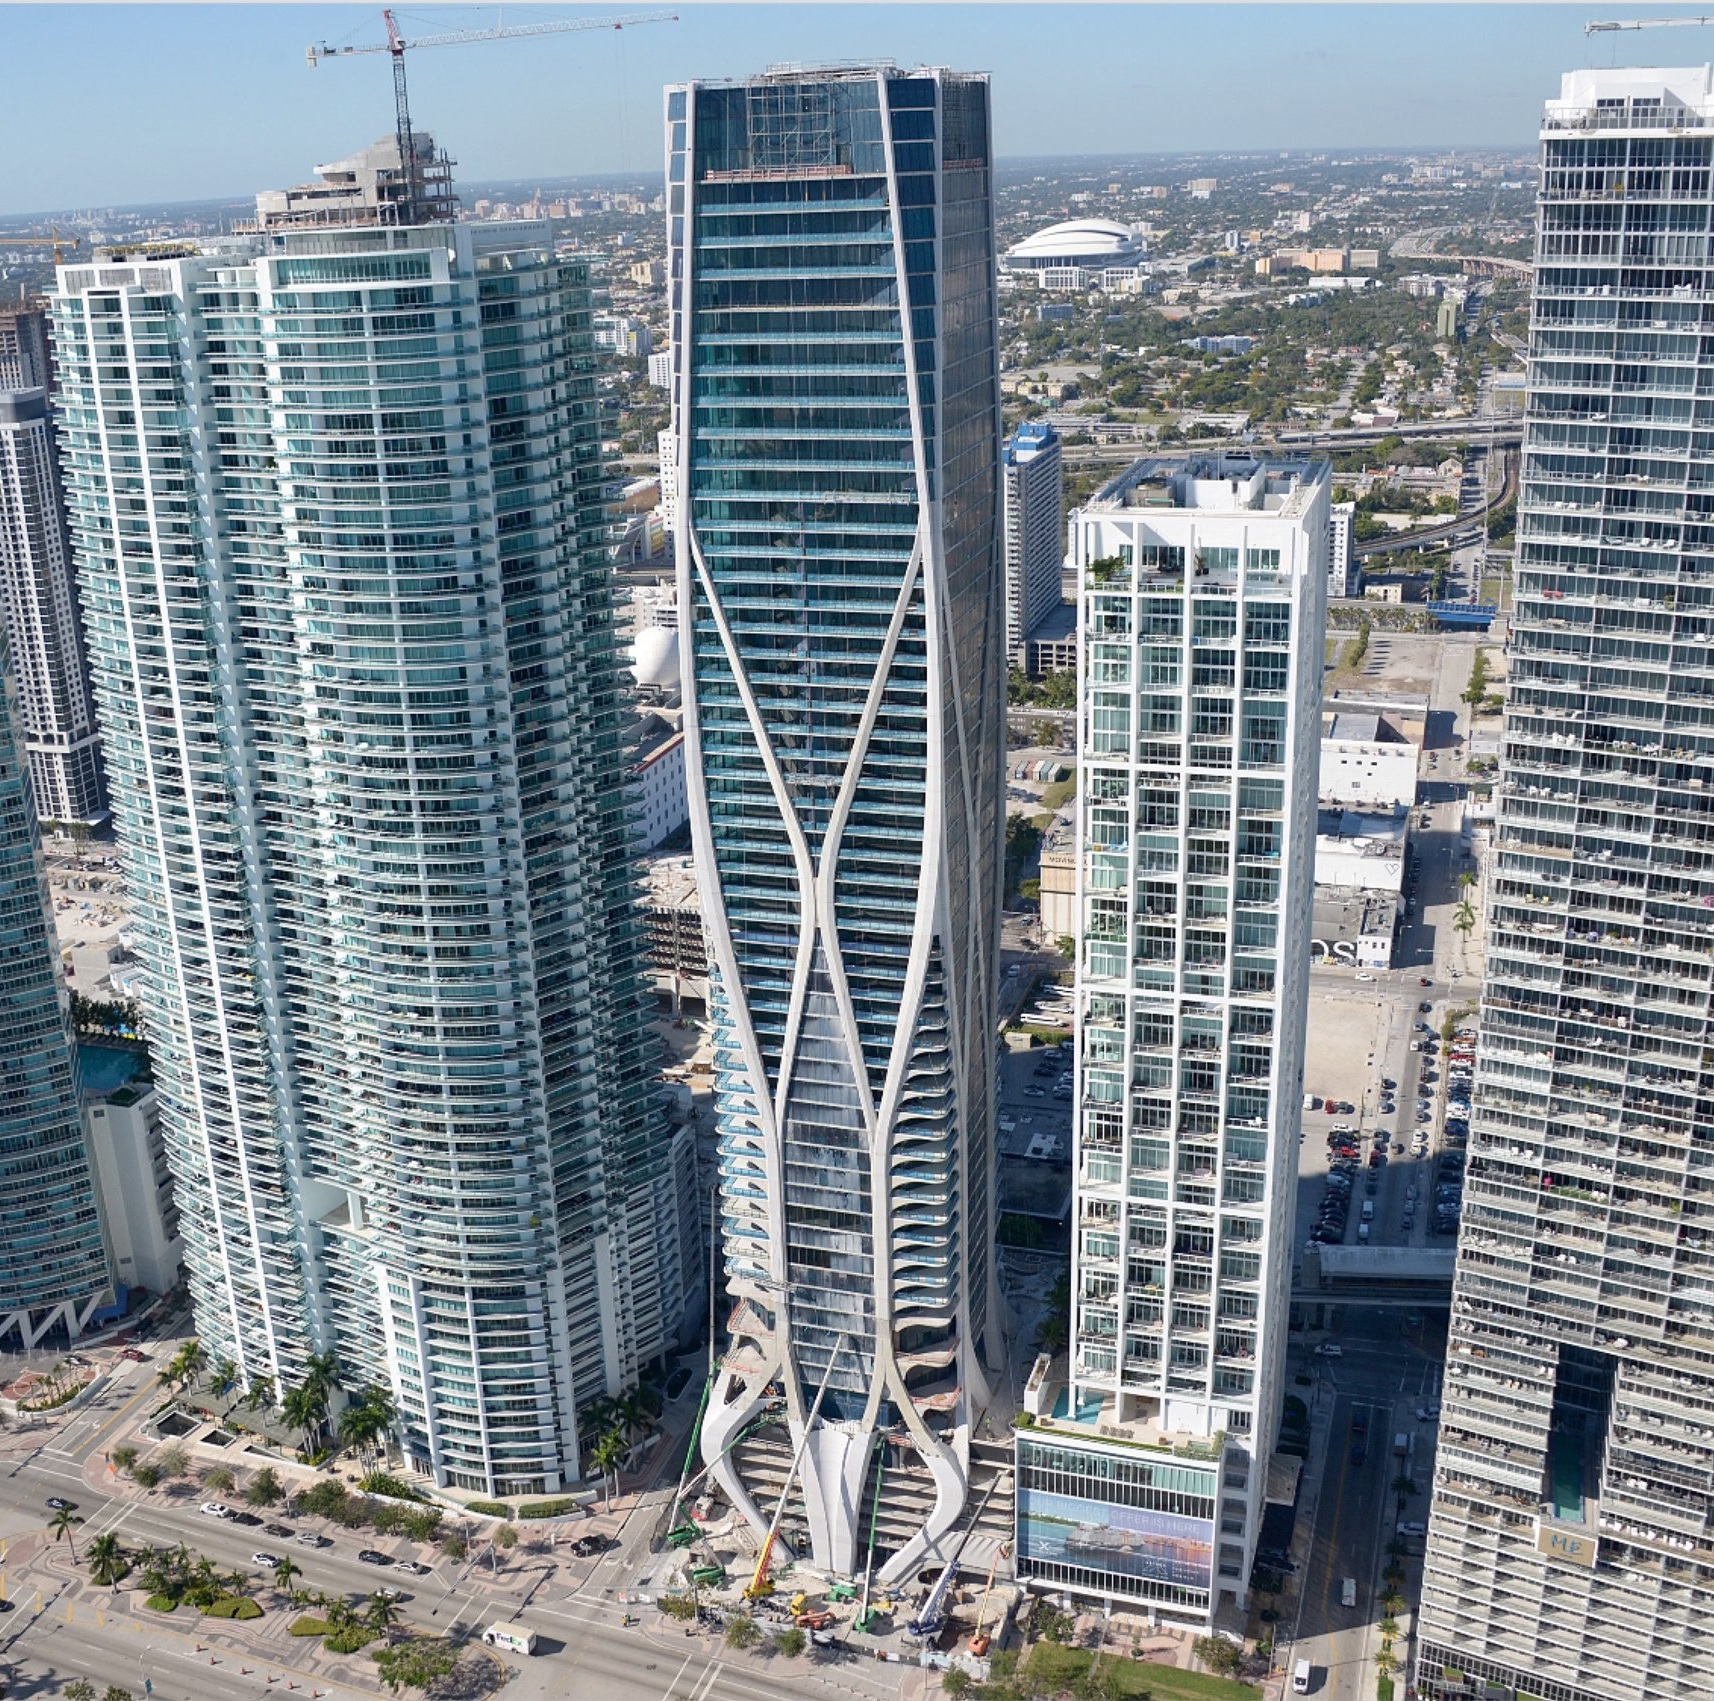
<point>266,1560</point>
<point>215,1510</point>
<point>1362,974</point>
<point>1331,1349</point>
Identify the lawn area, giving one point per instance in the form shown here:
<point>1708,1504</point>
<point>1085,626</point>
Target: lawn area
<point>1061,1666</point>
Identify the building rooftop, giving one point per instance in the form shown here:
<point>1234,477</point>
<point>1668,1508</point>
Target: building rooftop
<point>1214,484</point>
<point>1346,914</point>
<point>1633,98</point>
<point>1361,828</point>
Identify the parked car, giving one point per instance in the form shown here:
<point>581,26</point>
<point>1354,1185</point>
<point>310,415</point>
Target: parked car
<point>369,1556</point>
<point>214,1509</point>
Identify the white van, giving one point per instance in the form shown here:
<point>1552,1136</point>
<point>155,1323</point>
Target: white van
<point>514,1638</point>
<point>1300,1678</point>
<point>1348,1591</point>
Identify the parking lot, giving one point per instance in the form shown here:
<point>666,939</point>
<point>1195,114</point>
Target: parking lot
<point>1381,1157</point>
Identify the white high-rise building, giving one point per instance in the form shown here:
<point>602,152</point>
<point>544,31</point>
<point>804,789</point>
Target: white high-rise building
<point>1201,591</point>
<point>1342,578</point>
<point>1570,1549</point>
<point>337,501</point>
<point>1034,480</point>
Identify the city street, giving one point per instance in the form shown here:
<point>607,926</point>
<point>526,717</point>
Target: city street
<point>1362,1401</point>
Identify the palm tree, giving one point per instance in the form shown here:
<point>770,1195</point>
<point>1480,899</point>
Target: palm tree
<point>382,1615</point>
<point>607,1456</point>
<point>633,1412</point>
<point>260,1394</point>
<point>156,1575</point>
<point>1464,917</point>
<point>225,1374</point>
<point>64,1522</point>
<point>305,1409</point>
<point>191,1359</point>
<point>285,1569</point>
<point>106,1559</point>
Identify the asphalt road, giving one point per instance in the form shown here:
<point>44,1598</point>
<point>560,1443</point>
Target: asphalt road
<point>1381,1378</point>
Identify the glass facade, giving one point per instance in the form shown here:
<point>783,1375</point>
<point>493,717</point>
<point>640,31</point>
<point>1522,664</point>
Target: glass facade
<point>1201,596</point>
<point>1571,1539</point>
<point>837,426</point>
<point>53,1255</point>
<point>336,503</point>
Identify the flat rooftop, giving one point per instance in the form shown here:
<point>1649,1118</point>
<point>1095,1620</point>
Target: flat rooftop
<point>1213,484</point>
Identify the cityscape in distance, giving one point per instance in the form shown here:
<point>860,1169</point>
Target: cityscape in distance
<point>874,914</point>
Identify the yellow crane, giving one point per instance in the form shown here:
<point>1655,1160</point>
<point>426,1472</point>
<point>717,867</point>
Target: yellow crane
<point>397,45</point>
<point>56,242</point>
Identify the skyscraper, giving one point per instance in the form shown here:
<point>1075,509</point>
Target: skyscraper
<point>54,708</point>
<point>53,1256</point>
<point>1571,1538</point>
<point>336,496</point>
<point>838,546</point>
<point>1201,597</point>
<point>1035,530</point>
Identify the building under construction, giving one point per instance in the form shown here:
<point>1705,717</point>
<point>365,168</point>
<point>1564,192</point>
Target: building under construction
<point>371,187</point>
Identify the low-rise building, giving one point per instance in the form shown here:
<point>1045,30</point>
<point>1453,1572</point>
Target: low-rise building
<point>1366,762</point>
<point>1357,852</point>
<point>1353,929</point>
<point>123,1127</point>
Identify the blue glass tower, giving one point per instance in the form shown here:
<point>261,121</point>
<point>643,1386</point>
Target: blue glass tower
<point>840,595</point>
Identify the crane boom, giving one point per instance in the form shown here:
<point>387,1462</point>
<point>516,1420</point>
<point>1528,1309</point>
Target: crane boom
<point>1641,24</point>
<point>397,44</point>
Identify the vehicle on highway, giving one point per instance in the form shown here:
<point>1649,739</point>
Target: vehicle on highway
<point>266,1560</point>
<point>369,1556</point>
<point>1301,1674</point>
<point>514,1638</point>
<point>1413,1529</point>
<point>1362,975</point>
<point>283,1531</point>
<point>1348,1591</point>
<point>1330,1349</point>
<point>55,1504</point>
<point>214,1509</point>
<point>416,1568</point>
<point>1428,1413</point>
<point>1423,980</point>
<point>387,1592</point>
<point>311,1538</point>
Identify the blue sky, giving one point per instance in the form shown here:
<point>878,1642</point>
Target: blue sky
<point>111,105</point>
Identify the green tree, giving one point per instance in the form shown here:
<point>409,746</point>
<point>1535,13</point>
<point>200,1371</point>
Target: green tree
<point>606,1457</point>
<point>122,1458</point>
<point>305,1410</point>
<point>80,1689</point>
<point>106,1559</point>
<point>172,1460</point>
<point>382,1615</point>
<point>742,1632</point>
<point>505,1538</point>
<point>285,1569</point>
<point>62,1524</point>
<point>113,1692</point>
<point>955,1682</point>
<point>220,1479</point>
<point>791,1642</point>
<point>260,1393</point>
<point>265,1487</point>
<point>225,1374</point>
<point>416,1664</point>
<point>1219,1655</point>
<point>1464,917</point>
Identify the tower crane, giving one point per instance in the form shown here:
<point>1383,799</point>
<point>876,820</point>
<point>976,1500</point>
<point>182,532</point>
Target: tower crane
<point>397,45</point>
<point>1641,24</point>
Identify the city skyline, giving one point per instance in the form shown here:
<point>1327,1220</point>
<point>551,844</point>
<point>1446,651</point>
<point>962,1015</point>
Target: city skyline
<point>1294,77</point>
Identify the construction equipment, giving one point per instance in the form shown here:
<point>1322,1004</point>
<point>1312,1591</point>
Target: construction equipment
<point>1641,24</point>
<point>820,1619</point>
<point>866,1613</point>
<point>708,1576</point>
<point>684,1536</point>
<point>760,1585</point>
<point>842,1591</point>
<point>931,1615</point>
<point>799,1603</point>
<point>980,1640</point>
<point>396,46</point>
<point>55,242</point>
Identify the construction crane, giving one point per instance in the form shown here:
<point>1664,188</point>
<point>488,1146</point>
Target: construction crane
<point>397,45</point>
<point>55,242</point>
<point>1641,24</point>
